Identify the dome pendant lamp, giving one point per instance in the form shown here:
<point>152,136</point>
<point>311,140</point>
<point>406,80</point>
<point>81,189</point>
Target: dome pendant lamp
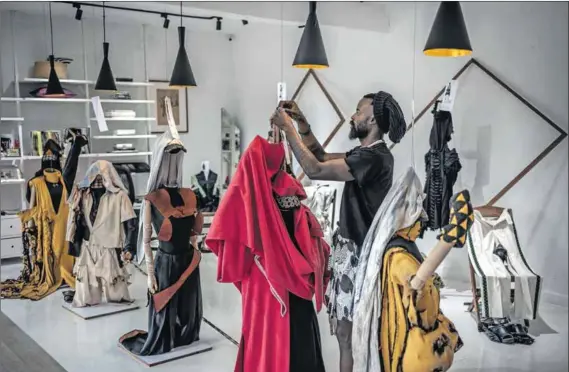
<point>105,81</point>
<point>182,76</point>
<point>54,88</point>
<point>311,52</point>
<point>448,37</point>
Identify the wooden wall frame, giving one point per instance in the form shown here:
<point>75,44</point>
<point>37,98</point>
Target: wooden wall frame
<point>470,63</point>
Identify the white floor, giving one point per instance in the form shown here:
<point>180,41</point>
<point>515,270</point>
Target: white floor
<point>90,345</point>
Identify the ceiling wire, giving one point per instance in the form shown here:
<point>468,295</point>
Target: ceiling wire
<point>51,29</point>
<point>413,87</point>
<point>282,42</point>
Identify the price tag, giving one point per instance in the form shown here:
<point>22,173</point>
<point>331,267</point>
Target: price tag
<point>281,92</point>
<point>449,95</point>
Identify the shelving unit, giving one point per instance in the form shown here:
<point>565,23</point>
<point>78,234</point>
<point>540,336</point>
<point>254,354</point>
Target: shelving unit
<point>87,85</point>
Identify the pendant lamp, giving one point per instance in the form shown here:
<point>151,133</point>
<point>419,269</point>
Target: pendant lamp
<point>182,76</point>
<point>448,37</point>
<point>311,52</point>
<point>105,81</point>
<point>54,88</point>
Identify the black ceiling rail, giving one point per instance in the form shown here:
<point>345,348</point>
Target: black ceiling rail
<point>94,5</point>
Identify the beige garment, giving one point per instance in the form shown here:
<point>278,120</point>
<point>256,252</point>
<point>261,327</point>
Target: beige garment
<point>97,271</point>
<point>114,209</point>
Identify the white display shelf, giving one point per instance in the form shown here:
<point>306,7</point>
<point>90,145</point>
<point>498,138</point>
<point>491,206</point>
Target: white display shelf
<point>101,155</point>
<point>12,182</point>
<point>126,119</point>
<point>11,99</point>
<point>51,100</point>
<point>126,136</point>
<point>130,101</point>
<point>88,82</point>
<point>11,158</point>
<point>11,119</point>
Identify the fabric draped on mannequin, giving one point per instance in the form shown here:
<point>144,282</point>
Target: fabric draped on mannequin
<point>393,330</point>
<point>271,247</point>
<point>442,167</point>
<point>47,265</point>
<point>102,202</point>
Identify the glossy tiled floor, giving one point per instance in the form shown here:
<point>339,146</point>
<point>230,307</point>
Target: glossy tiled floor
<point>90,346</point>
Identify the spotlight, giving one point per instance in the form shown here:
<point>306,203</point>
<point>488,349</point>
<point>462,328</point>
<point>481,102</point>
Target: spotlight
<point>245,22</point>
<point>166,20</point>
<point>218,25</point>
<point>78,12</point>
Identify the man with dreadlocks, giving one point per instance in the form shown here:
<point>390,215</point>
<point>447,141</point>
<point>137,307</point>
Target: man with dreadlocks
<point>367,171</point>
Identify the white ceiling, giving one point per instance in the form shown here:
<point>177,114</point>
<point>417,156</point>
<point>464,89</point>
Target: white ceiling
<point>371,16</point>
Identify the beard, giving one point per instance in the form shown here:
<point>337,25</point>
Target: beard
<point>358,130</point>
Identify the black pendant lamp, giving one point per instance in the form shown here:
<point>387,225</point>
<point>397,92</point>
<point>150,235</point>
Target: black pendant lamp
<point>448,37</point>
<point>182,76</point>
<point>105,81</point>
<point>54,88</point>
<point>311,52</point>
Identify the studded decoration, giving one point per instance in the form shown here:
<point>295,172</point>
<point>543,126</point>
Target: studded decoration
<point>461,219</point>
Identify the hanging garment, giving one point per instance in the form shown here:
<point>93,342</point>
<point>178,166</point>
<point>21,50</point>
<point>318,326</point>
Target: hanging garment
<point>102,200</point>
<point>51,265</point>
<point>277,269</point>
<point>174,319</point>
<point>442,167</point>
<point>497,258</point>
<point>321,200</point>
<point>207,191</point>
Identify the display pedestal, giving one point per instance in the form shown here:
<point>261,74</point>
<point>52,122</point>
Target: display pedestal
<point>177,353</point>
<point>104,309</point>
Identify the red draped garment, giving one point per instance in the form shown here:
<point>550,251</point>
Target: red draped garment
<point>256,253</point>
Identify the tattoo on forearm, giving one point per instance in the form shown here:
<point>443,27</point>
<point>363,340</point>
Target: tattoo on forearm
<point>303,154</point>
<point>314,146</point>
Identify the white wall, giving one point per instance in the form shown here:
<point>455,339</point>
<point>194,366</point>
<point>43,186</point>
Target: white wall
<point>210,56</point>
<point>525,44</point>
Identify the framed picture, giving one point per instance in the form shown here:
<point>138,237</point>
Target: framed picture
<point>179,99</point>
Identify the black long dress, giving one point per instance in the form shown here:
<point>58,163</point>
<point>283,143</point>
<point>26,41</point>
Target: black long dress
<point>178,324</point>
<point>305,344</point>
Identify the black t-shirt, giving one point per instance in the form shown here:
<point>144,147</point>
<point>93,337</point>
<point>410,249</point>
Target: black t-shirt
<point>372,169</point>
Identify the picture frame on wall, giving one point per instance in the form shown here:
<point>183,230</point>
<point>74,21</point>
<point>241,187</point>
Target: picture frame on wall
<point>179,98</point>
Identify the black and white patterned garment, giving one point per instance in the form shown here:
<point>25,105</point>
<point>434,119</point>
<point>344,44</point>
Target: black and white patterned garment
<point>343,264</point>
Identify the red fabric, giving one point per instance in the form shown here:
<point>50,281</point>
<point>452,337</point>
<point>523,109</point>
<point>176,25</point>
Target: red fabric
<point>248,223</point>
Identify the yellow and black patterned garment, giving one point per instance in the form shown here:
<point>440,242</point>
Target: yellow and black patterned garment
<point>414,334</point>
<point>46,260</point>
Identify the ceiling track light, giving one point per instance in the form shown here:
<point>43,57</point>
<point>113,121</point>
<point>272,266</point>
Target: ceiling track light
<point>218,24</point>
<point>311,52</point>
<point>54,88</point>
<point>182,75</point>
<point>78,12</point>
<point>106,80</point>
<point>166,20</point>
<point>448,36</point>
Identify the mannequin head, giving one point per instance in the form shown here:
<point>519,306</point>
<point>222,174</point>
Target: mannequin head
<point>205,167</point>
<point>170,171</point>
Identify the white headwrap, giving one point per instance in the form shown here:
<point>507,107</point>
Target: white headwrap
<point>401,208</point>
<point>165,170</point>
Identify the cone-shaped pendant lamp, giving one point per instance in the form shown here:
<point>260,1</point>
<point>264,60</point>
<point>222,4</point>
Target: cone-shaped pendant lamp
<point>105,81</point>
<point>182,76</point>
<point>448,37</point>
<point>54,88</point>
<point>311,52</point>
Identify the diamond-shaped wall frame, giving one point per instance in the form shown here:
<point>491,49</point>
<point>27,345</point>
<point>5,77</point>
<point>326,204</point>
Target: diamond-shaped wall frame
<point>471,62</point>
<point>341,117</point>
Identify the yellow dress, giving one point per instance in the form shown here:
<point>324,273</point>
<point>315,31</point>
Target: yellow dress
<point>48,263</point>
<point>415,336</point>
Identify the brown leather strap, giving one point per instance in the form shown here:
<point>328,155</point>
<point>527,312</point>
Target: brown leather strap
<point>162,298</point>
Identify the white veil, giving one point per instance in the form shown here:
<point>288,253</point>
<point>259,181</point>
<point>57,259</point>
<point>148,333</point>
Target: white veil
<point>165,169</point>
<point>401,208</point>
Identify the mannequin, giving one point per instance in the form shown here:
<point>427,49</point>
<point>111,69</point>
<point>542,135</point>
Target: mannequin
<point>175,308</point>
<point>206,186</point>
<point>398,325</point>
<point>102,232</point>
<point>271,247</point>
<point>46,262</point>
